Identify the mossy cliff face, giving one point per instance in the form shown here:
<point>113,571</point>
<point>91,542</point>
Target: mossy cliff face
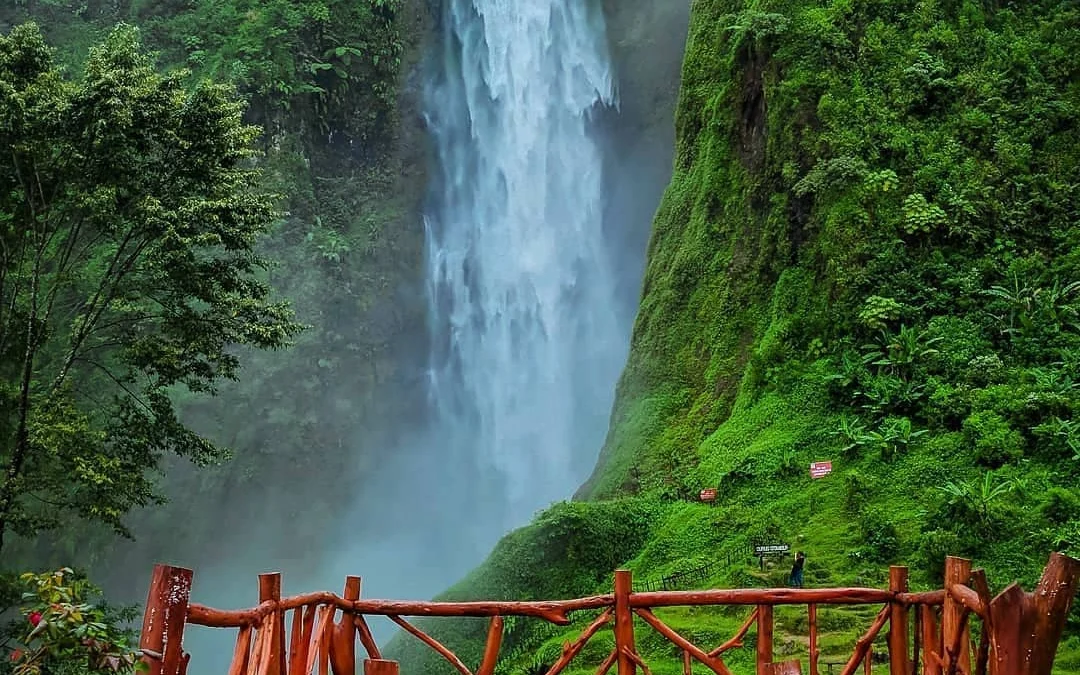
<point>869,253</point>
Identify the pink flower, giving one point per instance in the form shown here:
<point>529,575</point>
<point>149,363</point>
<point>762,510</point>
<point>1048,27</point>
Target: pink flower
<point>35,618</point>
<point>16,654</point>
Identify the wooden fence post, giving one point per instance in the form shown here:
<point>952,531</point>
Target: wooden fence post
<point>343,643</point>
<point>270,589</point>
<point>899,663</point>
<point>916,638</point>
<point>380,667</point>
<point>957,571</point>
<point>815,652</point>
<point>931,640</point>
<point>1025,628</point>
<point>764,638</point>
<point>162,636</point>
<point>624,622</point>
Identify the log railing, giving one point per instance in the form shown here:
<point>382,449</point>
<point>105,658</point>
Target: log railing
<point>928,632</point>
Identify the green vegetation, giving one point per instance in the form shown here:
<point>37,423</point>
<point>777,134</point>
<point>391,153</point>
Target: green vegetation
<point>127,268</point>
<point>868,254</point>
<point>320,78</point>
<point>64,628</point>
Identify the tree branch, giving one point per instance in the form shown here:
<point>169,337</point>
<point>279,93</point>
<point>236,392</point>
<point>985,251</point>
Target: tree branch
<point>119,383</point>
<point>102,297</point>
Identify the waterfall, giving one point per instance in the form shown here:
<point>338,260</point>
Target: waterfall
<point>526,345</point>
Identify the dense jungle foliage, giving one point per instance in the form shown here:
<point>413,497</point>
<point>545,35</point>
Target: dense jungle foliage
<point>130,212</point>
<point>321,79</point>
<point>287,119</point>
<point>869,253</point>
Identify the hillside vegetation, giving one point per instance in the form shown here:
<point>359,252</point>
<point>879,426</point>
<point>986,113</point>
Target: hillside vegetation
<point>870,254</point>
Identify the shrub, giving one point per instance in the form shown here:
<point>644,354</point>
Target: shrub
<point>934,546</point>
<point>881,542</point>
<point>64,632</point>
<point>996,443</point>
<point>1060,506</point>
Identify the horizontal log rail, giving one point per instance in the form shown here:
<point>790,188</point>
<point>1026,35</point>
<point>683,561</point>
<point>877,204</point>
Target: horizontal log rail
<point>325,628</point>
<point>556,611</point>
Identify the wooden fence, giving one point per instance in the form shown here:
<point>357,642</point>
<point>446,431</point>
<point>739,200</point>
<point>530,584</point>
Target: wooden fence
<point>928,632</point>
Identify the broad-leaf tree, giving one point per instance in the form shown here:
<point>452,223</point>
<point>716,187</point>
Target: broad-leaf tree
<point>129,217</point>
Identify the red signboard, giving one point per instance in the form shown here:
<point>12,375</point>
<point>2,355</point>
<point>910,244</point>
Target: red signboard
<point>708,494</point>
<point>820,469</point>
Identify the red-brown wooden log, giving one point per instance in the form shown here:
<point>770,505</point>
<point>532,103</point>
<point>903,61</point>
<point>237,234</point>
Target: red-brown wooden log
<point>922,598</point>
<point>433,643</point>
<point>715,664</point>
<point>916,639</point>
<point>637,661</point>
<point>307,635</point>
<point>868,663</point>
<point>1025,628</point>
<point>343,645</point>
<point>624,622</point>
<point>982,591</point>
<point>256,651</point>
<point>815,651</point>
<point>957,571</point>
<point>556,611</point>
<point>932,658</point>
<point>166,612</point>
<point>572,650</point>
<point>553,611</point>
<point>762,596</point>
<point>608,662</point>
<point>326,645</point>
<point>968,598</point>
<point>241,653</point>
<point>982,656</point>
<point>862,647</point>
<point>320,633</point>
<point>899,664</point>
<point>380,667</point>
<point>961,640</point>
<point>785,668</point>
<point>367,639</point>
<point>260,656</point>
<point>687,663</point>
<point>764,637</point>
<point>270,591</point>
<point>491,647</point>
<point>737,639</point>
<point>327,642</point>
<point>296,632</point>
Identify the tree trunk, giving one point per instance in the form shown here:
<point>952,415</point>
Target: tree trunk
<point>22,433</point>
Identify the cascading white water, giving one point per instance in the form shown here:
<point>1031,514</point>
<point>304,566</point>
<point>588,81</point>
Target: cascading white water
<point>526,344</point>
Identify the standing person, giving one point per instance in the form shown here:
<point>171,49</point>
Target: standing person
<point>797,570</point>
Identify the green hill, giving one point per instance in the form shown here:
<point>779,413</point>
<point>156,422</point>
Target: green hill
<point>870,254</point>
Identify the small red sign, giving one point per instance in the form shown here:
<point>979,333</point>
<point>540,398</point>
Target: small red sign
<point>708,494</point>
<point>820,469</point>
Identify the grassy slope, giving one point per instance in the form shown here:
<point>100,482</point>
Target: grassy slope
<point>853,179</point>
